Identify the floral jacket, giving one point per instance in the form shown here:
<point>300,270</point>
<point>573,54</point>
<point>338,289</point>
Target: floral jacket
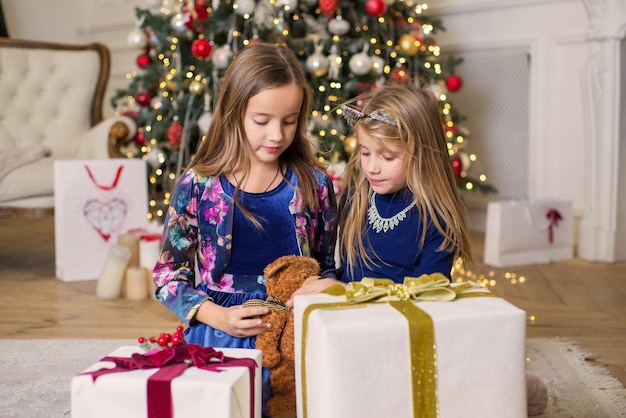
<point>198,228</point>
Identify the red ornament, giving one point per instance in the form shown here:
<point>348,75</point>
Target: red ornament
<point>196,16</point>
<point>399,74</point>
<point>144,60</point>
<point>140,137</point>
<point>201,48</point>
<point>457,165</point>
<point>375,7</point>
<point>143,98</point>
<point>454,83</point>
<point>452,129</point>
<point>255,41</point>
<point>175,133</point>
<point>328,7</point>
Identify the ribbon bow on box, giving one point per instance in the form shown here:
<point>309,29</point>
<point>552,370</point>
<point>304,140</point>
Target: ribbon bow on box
<point>172,361</point>
<point>553,216</point>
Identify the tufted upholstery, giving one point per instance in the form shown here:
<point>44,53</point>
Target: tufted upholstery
<point>50,99</point>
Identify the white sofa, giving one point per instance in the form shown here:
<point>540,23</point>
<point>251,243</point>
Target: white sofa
<point>51,109</point>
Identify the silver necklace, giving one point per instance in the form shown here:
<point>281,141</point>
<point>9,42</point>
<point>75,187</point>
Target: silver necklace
<point>383,224</point>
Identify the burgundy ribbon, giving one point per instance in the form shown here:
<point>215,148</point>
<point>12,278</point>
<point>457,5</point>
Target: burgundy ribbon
<point>554,216</point>
<point>105,187</point>
<point>172,362</point>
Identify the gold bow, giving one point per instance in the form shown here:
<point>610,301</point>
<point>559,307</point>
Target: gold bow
<point>434,287</point>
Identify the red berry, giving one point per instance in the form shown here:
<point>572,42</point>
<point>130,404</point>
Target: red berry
<point>153,340</point>
<point>141,340</point>
<point>177,339</point>
<point>162,341</point>
<point>180,328</point>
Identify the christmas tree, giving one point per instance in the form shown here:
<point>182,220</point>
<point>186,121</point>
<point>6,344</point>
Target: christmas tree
<point>346,48</point>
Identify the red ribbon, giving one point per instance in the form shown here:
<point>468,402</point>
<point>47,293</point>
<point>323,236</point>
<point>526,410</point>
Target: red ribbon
<point>105,187</point>
<point>172,362</point>
<point>554,216</point>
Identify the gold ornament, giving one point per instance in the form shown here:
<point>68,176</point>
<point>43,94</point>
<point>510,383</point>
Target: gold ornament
<point>196,87</point>
<point>350,144</point>
<point>170,81</point>
<point>408,44</point>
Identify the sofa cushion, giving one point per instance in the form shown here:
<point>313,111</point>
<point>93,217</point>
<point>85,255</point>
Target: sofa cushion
<point>46,97</point>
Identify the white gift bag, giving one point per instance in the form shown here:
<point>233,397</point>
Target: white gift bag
<point>528,232</point>
<point>94,202</point>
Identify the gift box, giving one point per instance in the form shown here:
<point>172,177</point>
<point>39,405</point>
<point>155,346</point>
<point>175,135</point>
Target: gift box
<point>228,392</point>
<point>381,358</point>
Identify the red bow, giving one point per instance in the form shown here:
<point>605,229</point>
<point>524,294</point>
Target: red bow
<point>172,362</point>
<point>554,216</point>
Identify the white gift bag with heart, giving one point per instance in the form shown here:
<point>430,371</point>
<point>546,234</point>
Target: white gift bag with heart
<point>94,202</point>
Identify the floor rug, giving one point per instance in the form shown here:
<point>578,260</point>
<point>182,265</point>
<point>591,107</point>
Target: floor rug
<point>35,377</point>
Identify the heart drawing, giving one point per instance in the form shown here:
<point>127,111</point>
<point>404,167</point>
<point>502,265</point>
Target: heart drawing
<point>105,217</point>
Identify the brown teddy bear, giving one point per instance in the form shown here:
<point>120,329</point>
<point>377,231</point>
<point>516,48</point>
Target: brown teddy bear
<point>282,277</point>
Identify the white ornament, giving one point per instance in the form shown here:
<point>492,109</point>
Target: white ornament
<point>317,64</point>
<point>244,7</point>
<point>378,64</point>
<point>360,64</point>
<point>204,121</point>
<point>155,157</point>
<point>221,57</point>
<point>178,23</point>
<point>289,4</point>
<point>338,26</point>
<point>334,63</point>
<point>137,39</point>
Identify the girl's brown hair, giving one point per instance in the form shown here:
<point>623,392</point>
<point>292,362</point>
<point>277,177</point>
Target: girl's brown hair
<point>427,166</point>
<point>254,69</point>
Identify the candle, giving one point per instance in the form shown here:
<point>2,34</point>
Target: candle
<point>131,241</point>
<point>137,283</point>
<point>149,250</point>
<point>109,284</point>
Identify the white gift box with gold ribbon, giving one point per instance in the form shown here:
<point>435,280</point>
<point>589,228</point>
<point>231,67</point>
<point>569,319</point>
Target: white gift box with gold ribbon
<point>378,359</point>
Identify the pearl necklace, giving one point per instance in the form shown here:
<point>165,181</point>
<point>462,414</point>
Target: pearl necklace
<point>383,224</point>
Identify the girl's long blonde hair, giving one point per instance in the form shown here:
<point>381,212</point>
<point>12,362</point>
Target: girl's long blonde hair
<point>419,131</point>
<point>254,69</point>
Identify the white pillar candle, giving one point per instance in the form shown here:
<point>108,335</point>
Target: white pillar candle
<point>109,284</point>
<point>131,241</point>
<point>149,250</point>
<point>137,283</point>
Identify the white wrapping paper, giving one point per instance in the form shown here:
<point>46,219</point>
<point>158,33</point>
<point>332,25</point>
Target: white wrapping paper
<point>358,363</point>
<point>196,393</point>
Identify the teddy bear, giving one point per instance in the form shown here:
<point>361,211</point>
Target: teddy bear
<point>282,277</point>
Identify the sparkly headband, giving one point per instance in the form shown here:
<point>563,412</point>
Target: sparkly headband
<point>353,116</point>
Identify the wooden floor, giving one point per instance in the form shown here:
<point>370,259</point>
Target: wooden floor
<point>582,301</point>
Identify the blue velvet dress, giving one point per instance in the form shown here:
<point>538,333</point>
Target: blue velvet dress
<point>396,249</point>
<point>252,250</point>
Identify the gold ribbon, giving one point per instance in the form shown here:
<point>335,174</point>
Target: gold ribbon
<point>402,297</point>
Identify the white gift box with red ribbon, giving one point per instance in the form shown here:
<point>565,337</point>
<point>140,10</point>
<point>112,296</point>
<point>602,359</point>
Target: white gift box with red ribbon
<point>528,232</point>
<point>229,393</point>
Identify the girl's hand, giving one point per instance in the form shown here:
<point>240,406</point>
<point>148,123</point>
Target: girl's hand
<point>234,320</point>
<point>312,288</point>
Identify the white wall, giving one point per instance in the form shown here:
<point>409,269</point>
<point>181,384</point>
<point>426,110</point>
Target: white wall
<point>570,94</point>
